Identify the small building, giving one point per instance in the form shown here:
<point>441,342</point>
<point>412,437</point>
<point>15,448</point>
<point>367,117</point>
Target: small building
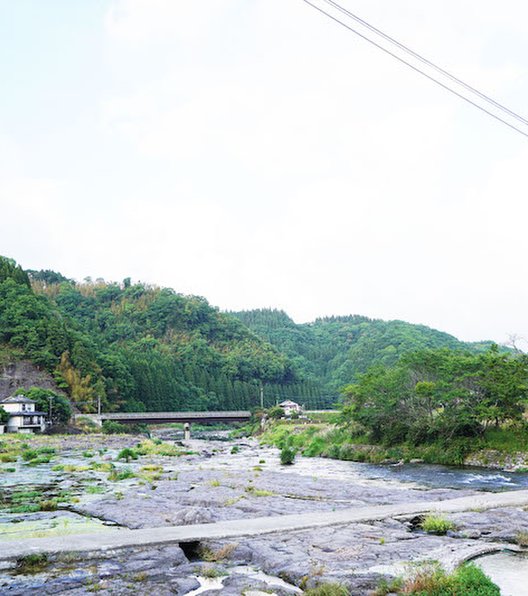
<point>23,418</point>
<point>290,407</point>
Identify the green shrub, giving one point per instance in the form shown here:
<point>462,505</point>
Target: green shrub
<point>235,449</point>
<point>114,428</point>
<point>436,524</point>
<point>432,580</point>
<point>29,454</point>
<point>276,412</point>
<point>287,455</point>
<point>127,454</point>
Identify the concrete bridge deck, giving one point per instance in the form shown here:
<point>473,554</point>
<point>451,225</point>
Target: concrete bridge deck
<point>115,539</point>
<point>167,417</point>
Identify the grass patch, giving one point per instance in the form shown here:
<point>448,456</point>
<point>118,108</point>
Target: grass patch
<point>328,589</point>
<point>256,492</point>
<point>8,458</point>
<point>123,474</point>
<point>432,580</point>
<point>436,524</point>
<point>233,501</point>
<point>25,508</point>
<point>210,572</point>
<point>156,447</point>
<point>31,564</point>
<point>95,490</point>
<point>102,466</point>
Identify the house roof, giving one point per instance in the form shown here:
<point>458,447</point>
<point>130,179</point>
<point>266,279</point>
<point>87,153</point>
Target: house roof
<point>26,413</point>
<point>17,399</point>
<point>288,403</point>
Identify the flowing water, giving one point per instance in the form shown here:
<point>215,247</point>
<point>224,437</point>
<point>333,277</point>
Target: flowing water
<point>508,570</point>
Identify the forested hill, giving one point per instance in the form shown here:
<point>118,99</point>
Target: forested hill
<point>333,350</point>
<point>135,347</point>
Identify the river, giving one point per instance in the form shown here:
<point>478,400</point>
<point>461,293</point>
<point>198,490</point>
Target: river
<point>216,482</point>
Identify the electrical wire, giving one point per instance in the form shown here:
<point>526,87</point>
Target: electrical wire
<point>424,60</point>
<point>416,69</point>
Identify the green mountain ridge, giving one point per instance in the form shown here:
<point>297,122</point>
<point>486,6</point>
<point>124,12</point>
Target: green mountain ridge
<point>137,347</point>
<point>133,346</point>
<point>333,350</point>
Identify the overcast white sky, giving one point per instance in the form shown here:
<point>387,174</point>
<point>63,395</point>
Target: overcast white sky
<point>252,152</point>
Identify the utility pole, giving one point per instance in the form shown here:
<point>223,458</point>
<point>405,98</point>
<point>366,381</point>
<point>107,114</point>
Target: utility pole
<point>50,399</point>
<point>261,395</point>
<point>99,405</point>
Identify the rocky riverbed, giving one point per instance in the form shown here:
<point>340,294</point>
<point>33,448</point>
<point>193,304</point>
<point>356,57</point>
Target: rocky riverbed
<point>84,487</point>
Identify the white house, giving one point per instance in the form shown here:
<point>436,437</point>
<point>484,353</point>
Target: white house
<point>23,418</point>
<point>290,407</point>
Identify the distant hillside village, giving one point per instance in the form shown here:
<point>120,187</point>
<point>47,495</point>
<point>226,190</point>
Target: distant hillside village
<point>19,415</point>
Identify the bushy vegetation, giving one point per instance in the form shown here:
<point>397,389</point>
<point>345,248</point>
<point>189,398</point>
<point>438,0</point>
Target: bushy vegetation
<point>436,524</point>
<point>432,580</point>
<point>110,427</point>
<point>439,395</point>
<point>287,455</point>
<point>127,454</point>
<point>348,441</point>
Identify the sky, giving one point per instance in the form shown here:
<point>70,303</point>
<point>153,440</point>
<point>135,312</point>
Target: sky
<point>256,153</point>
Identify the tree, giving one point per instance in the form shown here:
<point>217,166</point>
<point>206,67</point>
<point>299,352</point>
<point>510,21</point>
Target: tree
<point>60,406</point>
<point>439,394</point>
<point>4,416</point>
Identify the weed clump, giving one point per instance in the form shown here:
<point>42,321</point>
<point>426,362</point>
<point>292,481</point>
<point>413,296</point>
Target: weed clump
<point>157,447</point>
<point>31,564</point>
<point>436,524</point>
<point>432,580</point>
<point>118,475</point>
<point>287,455</point>
<point>127,454</point>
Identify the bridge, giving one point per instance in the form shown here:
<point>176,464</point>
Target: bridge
<point>236,528</point>
<point>168,417</point>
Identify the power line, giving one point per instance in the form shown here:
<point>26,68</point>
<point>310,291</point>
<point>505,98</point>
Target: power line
<point>418,70</point>
<point>424,60</point>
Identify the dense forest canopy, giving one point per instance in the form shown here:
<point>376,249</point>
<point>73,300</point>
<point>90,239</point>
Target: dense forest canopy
<point>136,347</point>
<point>332,351</point>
